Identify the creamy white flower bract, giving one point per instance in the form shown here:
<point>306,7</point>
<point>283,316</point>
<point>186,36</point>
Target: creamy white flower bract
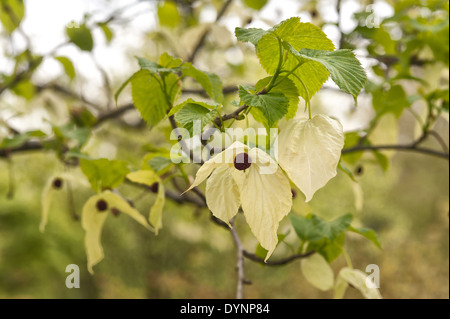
<point>262,190</point>
<point>309,151</point>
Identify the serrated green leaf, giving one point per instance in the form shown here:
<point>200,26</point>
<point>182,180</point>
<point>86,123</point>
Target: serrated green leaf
<point>11,14</point>
<point>81,36</point>
<point>149,98</point>
<point>367,233</point>
<point>317,272</point>
<point>252,35</point>
<point>168,61</point>
<point>103,173</point>
<point>210,82</point>
<point>287,88</point>
<point>191,114</point>
<point>178,107</point>
<point>168,14</point>
<point>344,68</point>
<point>273,105</point>
<point>313,228</point>
<point>154,67</point>
<point>121,88</point>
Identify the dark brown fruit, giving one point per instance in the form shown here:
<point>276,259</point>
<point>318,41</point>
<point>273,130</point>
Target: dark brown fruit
<point>242,161</point>
<point>154,187</point>
<point>115,212</point>
<point>101,205</point>
<point>294,193</point>
<point>57,183</point>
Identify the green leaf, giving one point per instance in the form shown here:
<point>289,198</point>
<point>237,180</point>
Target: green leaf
<point>19,140</point>
<point>158,162</point>
<point>67,65</point>
<point>393,101</point>
<point>178,107</point>
<point>107,32</point>
<point>155,67</point>
<point>11,14</point>
<point>210,82</point>
<point>191,112</point>
<point>24,88</point>
<point>367,233</point>
<point>168,14</point>
<point>81,36</point>
<point>252,35</point>
<point>121,88</point>
<point>149,98</point>
<point>272,105</point>
<point>287,88</point>
<point>313,228</point>
<point>255,4</point>
<point>344,68</point>
<point>329,249</point>
<point>103,173</point>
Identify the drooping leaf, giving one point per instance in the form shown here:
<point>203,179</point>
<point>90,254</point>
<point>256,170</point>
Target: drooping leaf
<point>309,151</point>
<point>67,65</point>
<point>367,233</point>
<point>103,173</point>
<point>317,272</point>
<point>148,177</point>
<point>81,36</point>
<point>264,206</point>
<point>92,220</point>
<point>107,32</point>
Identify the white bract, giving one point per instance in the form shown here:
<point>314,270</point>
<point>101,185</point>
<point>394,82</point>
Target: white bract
<point>309,151</point>
<point>262,190</point>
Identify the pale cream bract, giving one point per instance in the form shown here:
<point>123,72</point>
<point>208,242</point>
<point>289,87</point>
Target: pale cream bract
<point>309,151</point>
<point>264,194</point>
